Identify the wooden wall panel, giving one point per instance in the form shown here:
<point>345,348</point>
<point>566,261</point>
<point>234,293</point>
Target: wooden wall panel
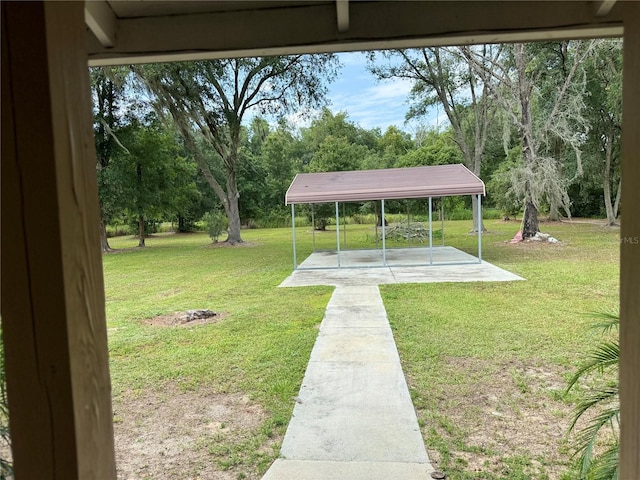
<point>52,287</point>
<point>630,251</point>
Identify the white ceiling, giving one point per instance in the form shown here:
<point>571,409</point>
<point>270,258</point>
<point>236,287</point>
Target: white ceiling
<point>121,32</point>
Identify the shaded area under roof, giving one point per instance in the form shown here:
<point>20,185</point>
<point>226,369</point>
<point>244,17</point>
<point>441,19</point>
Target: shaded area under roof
<point>384,184</point>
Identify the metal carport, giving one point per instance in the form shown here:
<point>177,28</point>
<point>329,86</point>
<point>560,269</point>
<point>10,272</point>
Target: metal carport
<point>384,184</point>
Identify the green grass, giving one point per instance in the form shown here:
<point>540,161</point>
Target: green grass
<point>261,348</point>
<point>458,341</point>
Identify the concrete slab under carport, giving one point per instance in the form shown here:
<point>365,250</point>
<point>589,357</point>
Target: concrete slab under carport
<point>404,265</point>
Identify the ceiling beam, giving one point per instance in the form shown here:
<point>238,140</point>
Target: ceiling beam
<point>342,12</point>
<point>372,25</point>
<point>101,21</point>
<point>603,7</point>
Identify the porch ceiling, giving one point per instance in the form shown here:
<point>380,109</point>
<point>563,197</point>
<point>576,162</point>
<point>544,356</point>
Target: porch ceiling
<point>153,31</point>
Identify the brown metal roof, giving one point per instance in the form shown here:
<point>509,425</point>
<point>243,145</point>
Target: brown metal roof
<point>384,184</point>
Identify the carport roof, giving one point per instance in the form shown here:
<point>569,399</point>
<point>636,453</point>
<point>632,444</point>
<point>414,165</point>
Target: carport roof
<point>384,184</point>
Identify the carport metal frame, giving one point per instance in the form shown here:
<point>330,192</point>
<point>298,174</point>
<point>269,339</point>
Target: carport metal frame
<point>384,247</point>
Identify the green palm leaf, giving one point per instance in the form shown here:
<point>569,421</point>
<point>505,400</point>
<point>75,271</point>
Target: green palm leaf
<point>594,464</point>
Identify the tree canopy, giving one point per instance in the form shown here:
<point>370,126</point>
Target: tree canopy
<point>540,123</point>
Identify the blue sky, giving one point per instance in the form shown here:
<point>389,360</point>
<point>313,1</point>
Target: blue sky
<point>369,102</point>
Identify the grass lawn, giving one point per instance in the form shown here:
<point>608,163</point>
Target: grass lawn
<point>486,362</point>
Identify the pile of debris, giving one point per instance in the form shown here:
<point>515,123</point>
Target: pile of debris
<point>185,319</point>
<point>409,231</point>
<point>538,237</point>
<point>192,315</point>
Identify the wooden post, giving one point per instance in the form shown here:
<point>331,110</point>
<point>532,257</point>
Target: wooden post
<point>630,251</point>
<point>53,315</point>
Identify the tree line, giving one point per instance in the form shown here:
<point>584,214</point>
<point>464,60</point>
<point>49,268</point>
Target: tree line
<point>540,123</point>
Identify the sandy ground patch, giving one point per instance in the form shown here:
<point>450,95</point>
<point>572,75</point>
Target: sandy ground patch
<point>511,409</point>
<point>167,435</point>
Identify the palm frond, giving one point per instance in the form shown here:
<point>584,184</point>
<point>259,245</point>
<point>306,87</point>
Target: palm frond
<point>608,321</point>
<point>606,466</point>
<point>589,441</point>
<point>603,357</point>
<point>606,398</point>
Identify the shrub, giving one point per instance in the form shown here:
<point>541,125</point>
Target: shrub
<point>597,444</point>
<point>215,224</point>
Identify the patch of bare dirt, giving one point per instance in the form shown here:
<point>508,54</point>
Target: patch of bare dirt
<point>182,319</point>
<point>167,435</point>
<point>511,409</point>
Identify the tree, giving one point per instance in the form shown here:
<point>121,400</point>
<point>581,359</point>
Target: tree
<point>211,98</point>
<point>500,185</point>
<point>279,164</point>
<point>333,143</point>
<point>150,179</point>
<point>439,148</point>
<point>108,85</point>
<point>543,113</point>
<point>442,76</point>
<point>334,154</point>
<point>604,111</point>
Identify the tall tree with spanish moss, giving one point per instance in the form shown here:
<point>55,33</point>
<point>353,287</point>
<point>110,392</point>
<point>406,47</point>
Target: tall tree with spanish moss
<point>540,89</point>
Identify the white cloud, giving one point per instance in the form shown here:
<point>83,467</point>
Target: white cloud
<point>372,104</point>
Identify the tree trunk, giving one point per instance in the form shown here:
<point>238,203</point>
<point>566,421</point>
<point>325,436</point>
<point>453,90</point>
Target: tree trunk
<point>378,209</point>
<point>104,241</point>
<point>554,211</point>
<point>611,215</point>
<point>530,216</point>
<point>530,221</point>
<point>232,210</point>
<point>141,231</point>
<point>616,205</point>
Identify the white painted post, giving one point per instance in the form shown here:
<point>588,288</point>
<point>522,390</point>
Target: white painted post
<point>430,233</point>
<point>293,235</point>
<point>384,234</point>
<point>479,230</point>
<point>338,232</point>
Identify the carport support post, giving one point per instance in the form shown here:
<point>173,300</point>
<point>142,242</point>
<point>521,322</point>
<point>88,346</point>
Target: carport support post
<point>384,235</point>
<point>338,232</point>
<point>313,227</point>
<point>479,226</point>
<point>442,217</point>
<point>344,227</point>
<point>293,234</point>
<point>430,233</point>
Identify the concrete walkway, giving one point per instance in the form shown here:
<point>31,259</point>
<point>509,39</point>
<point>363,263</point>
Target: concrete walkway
<point>354,419</point>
